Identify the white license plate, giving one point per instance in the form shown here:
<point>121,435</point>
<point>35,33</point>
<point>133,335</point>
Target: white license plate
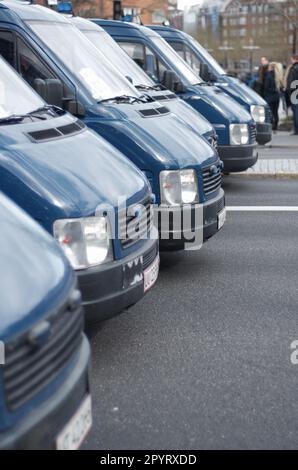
<point>151,274</point>
<point>221,218</point>
<point>75,431</point>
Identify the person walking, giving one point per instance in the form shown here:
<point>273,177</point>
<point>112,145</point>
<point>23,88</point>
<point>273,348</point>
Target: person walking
<point>272,89</point>
<point>292,89</point>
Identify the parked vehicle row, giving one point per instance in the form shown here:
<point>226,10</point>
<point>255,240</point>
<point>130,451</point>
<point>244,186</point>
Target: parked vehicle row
<point>112,165</point>
<point>211,72</point>
<point>235,127</point>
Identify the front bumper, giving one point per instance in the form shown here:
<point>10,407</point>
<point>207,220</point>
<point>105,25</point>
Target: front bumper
<point>40,428</point>
<point>109,289</point>
<point>264,133</point>
<point>204,227</point>
<point>238,157</point>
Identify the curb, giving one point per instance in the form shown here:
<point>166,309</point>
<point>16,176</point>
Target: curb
<point>276,168</point>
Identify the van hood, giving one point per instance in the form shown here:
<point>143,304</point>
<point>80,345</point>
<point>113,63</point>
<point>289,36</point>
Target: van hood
<point>238,89</point>
<point>224,106</point>
<point>28,291</point>
<point>153,142</point>
<point>68,176</point>
<point>184,111</point>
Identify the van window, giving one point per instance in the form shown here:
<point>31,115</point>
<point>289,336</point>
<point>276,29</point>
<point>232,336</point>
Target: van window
<point>88,64</point>
<point>16,97</point>
<point>30,66</point>
<point>143,56</point>
<point>135,51</point>
<point>213,65</point>
<point>186,53</point>
<point>104,43</point>
<point>7,47</point>
<point>178,47</point>
<point>184,70</point>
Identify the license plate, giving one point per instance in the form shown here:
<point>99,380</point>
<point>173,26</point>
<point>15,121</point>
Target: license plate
<point>221,218</point>
<point>75,431</point>
<point>133,272</point>
<point>151,274</point>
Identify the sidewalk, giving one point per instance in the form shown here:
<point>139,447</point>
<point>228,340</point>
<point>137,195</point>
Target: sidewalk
<point>279,158</point>
<point>283,140</point>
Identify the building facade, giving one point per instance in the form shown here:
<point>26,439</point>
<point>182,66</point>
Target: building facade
<point>241,31</point>
<point>148,11</point>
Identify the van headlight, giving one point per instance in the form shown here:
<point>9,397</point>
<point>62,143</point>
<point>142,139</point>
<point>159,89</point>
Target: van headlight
<point>85,241</point>
<point>239,134</point>
<point>178,187</point>
<point>258,113</point>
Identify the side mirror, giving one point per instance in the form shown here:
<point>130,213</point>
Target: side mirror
<point>169,80</point>
<point>180,87</point>
<point>204,72</point>
<point>212,77</point>
<point>76,108</point>
<point>172,82</point>
<point>51,90</point>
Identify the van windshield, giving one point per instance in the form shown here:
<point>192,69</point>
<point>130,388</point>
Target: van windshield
<point>184,69</point>
<point>213,64</point>
<point>16,97</point>
<point>98,75</point>
<point>104,43</point>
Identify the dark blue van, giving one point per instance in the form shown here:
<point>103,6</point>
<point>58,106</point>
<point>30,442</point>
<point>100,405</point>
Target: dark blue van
<point>182,168</point>
<point>127,67</point>
<point>44,385</point>
<point>234,126</point>
<point>64,176</point>
<point>206,66</point>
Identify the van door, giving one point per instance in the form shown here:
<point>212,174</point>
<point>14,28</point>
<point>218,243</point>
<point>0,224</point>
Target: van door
<point>29,63</point>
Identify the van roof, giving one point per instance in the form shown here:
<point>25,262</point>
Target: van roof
<point>169,30</point>
<point>123,24</point>
<point>86,23</point>
<point>26,11</point>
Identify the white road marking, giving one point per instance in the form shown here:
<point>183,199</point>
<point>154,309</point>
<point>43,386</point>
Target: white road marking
<point>262,208</point>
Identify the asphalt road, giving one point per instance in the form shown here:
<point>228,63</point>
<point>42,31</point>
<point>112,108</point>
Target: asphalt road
<point>203,362</point>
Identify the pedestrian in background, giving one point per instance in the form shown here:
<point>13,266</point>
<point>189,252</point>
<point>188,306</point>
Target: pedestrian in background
<point>272,88</point>
<point>291,88</point>
<point>259,83</point>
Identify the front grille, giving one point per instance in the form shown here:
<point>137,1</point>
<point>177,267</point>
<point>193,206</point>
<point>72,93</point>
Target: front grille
<point>135,222</point>
<point>252,133</point>
<point>267,114</point>
<point>211,178</point>
<point>29,368</point>
<point>149,257</point>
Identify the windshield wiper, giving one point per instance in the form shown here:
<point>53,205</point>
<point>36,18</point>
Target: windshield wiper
<point>126,99</point>
<point>46,108</point>
<point>14,118</point>
<point>152,87</point>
